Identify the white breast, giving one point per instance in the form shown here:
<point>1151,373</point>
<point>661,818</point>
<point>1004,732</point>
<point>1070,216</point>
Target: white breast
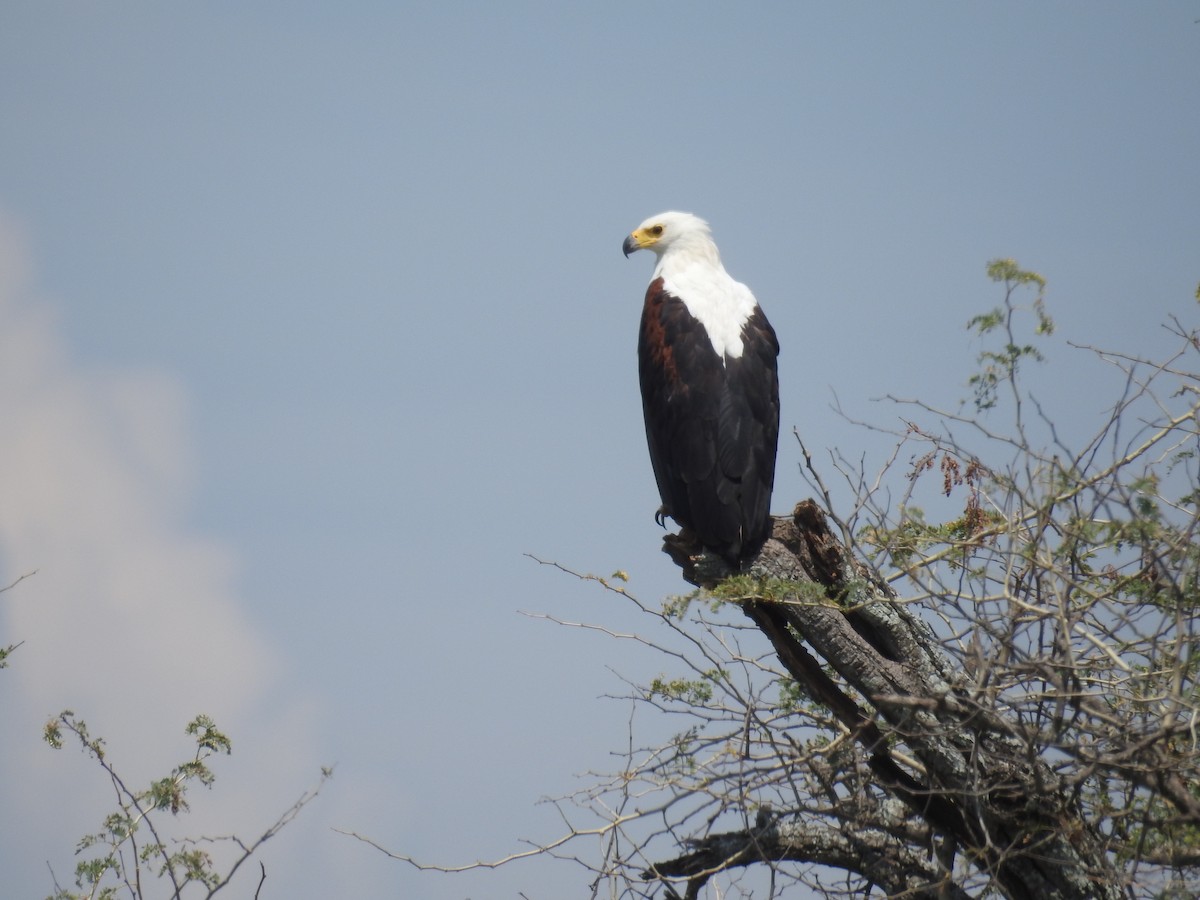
<point>721,304</point>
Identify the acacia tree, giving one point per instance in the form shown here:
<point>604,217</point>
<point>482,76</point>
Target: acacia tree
<point>998,702</point>
<point>133,854</point>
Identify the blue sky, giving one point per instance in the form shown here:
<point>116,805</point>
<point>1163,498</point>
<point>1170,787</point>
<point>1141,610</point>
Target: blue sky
<point>315,323</point>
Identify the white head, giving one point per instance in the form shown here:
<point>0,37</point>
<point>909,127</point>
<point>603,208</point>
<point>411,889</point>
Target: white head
<point>677,231</point>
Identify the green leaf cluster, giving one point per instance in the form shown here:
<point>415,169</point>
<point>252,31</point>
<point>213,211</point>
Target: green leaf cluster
<point>117,853</point>
<point>692,692</point>
<point>1000,366</point>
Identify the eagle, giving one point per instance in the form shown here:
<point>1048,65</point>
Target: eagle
<point>707,363</point>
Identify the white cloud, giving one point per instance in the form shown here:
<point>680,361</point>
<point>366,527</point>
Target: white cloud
<point>132,619</point>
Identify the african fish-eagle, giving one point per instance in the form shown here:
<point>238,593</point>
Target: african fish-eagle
<point>710,390</point>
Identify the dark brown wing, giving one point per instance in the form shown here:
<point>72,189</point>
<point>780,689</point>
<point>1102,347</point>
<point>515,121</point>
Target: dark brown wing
<point>749,430</point>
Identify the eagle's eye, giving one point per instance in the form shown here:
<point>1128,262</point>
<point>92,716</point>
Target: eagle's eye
<point>656,230</point>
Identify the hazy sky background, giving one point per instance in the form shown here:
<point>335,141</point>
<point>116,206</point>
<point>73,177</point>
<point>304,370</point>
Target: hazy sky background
<point>314,322</point>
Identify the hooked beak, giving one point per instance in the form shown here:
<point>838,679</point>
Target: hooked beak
<point>631,245</point>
